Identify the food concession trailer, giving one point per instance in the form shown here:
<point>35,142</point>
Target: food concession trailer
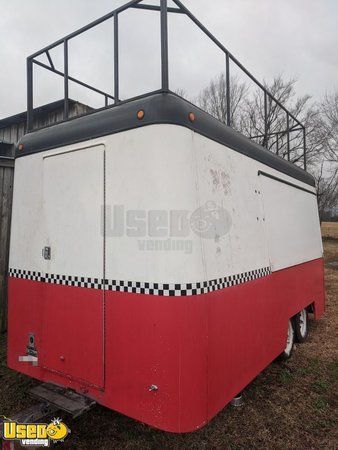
<point>103,297</point>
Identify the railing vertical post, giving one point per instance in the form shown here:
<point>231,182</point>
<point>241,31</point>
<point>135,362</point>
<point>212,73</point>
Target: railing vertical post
<point>277,152</point>
<point>304,142</point>
<point>164,45</point>
<point>288,134</point>
<point>227,61</point>
<point>266,120</point>
<point>29,94</point>
<point>116,58</point>
<point>66,86</point>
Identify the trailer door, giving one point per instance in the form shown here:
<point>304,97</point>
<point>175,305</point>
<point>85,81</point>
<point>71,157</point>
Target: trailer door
<point>73,252</point>
<point>292,222</point>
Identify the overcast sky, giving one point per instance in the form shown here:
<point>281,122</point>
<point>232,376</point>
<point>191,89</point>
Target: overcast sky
<point>298,38</point>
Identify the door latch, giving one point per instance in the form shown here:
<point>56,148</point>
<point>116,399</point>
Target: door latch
<point>46,253</point>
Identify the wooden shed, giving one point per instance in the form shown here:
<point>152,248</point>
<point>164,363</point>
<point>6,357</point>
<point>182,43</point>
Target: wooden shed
<point>6,189</point>
<point>11,130</point>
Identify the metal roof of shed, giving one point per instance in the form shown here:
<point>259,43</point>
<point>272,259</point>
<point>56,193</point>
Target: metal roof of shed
<point>41,110</point>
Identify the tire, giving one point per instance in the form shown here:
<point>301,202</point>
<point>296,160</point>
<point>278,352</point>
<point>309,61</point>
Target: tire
<point>290,340</point>
<point>301,325</point>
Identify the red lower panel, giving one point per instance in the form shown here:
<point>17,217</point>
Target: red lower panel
<point>199,351</point>
<point>68,326</point>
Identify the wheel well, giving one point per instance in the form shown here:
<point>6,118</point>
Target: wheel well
<point>311,308</point>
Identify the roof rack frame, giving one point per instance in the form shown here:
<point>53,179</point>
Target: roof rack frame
<point>164,10</point>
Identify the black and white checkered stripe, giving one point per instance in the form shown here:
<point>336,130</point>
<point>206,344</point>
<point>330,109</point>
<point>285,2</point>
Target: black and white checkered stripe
<point>139,287</point>
<point>68,280</point>
<point>188,289</point>
<point>27,274</point>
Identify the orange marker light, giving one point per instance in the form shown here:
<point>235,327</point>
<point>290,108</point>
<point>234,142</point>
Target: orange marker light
<point>140,114</point>
<point>192,117</point>
<point>20,147</point>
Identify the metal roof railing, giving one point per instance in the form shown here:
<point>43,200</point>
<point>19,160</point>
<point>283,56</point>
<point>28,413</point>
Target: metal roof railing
<point>164,11</point>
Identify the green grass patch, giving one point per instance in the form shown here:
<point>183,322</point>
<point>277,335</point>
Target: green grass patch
<point>285,377</point>
<point>234,446</point>
<point>320,385</point>
<point>304,371</point>
<point>321,404</point>
<point>333,368</point>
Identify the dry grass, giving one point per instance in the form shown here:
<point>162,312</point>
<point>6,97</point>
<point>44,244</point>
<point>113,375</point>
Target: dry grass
<point>330,230</point>
<point>289,406</point>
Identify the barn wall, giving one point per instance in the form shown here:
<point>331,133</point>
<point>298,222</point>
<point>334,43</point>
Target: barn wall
<point>12,134</point>
<point>6,191</point>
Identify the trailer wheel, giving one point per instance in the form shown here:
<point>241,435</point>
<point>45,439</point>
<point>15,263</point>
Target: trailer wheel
<point>290,340</point>
<point>301,325</point>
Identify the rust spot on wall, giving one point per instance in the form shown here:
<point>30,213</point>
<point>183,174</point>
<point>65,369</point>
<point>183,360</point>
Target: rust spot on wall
<point>220,181</point>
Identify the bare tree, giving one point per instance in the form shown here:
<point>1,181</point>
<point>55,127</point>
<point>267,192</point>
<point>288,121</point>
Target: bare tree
<point>275,136</point>
<point>329,125</point>
<point>213,99</point>
<point>326,169</point>
<point>254,113</point>
<point>247,115</point>
<point>327,188</point>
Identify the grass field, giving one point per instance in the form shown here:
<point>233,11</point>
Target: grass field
<point>330,230</point>
<point>288,406</point>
